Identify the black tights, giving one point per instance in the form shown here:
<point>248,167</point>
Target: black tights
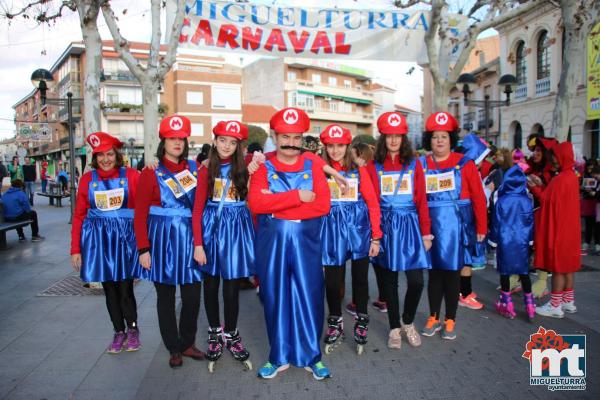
<point>231,303</point>
<point>592,229</point>
<point>525,283</point>
<point>379,279</point>
<point>443,285</point>
<point>121,304</point>
<point>334,276</point>
<point>414,279</point>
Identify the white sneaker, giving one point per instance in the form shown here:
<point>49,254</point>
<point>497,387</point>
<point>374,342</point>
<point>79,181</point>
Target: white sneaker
<point>548,311</point>
<point>597,248</point>
<point>585,246</point>
<point>569,307</point>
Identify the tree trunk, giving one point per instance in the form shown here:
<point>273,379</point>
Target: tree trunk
<point>441,95</point>
<point>150,98</point>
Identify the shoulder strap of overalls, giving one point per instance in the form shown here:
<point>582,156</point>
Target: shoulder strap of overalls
<point>169,174</point>
<point>223,196</point>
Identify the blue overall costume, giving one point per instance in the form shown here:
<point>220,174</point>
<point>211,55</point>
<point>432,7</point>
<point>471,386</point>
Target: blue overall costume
<point>402,247</point>
<point>452,223</point>
<point>170,233</point>
<point>108,249</point>
<point>512,224</point>
<point>346,230</point>
<point>288,264</point>
<point>228,236</point>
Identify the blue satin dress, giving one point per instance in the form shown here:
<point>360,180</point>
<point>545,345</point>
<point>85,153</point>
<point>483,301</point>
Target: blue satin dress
<point>108,248</point>
<point>288,263</point>
<point>170,232</point>
<point>452,222</point>
<point>346,230</point>
<point>228,235</point>
<point>402,247</point>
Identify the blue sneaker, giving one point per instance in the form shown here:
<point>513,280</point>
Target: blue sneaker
<point>269,371</point>
<point>319,371</point>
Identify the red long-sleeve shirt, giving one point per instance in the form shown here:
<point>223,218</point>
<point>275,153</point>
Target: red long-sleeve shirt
<point>83,202</point>
<point>149,195</point>
<point>419,194</point>
<point>287,205</point>
<point>471,187</point>
<point>370,196</point>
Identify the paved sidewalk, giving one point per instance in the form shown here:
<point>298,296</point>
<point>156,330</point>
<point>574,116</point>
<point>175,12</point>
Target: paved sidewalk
<point>53,347</point>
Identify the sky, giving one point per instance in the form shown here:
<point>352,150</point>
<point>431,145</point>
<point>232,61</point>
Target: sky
<point>25,46</point>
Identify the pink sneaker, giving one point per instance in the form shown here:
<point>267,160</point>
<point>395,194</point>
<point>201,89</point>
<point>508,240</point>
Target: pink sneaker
<point>117,344</point>
<point>133,340</point>
<point>470,302</point>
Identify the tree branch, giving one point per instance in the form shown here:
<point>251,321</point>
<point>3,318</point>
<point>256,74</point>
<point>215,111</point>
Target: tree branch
<point>430,35</point>
<point>155,38</point>
<point>173,43</point>
<point>410,3</point>
<point>42,15</point>
<point>500,19</point>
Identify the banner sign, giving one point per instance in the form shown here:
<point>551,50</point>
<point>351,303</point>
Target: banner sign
<point>34,131</point>
<point>281,31</point>
<point>593,73</point>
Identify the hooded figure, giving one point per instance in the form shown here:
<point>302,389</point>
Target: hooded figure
<point>512,224</point>
<point>559,239</point>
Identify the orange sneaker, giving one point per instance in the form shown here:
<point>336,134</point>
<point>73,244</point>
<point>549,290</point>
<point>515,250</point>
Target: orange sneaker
<point>433,325</point>
<point>470,302</point>
<point>448,332</point>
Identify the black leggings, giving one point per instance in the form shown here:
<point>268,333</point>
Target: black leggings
<point>231,303</point>
<point>592,228</point>
<point>121,304</point>
<point>414,279</point>
<point>379,279</point>
<point>360,286</point>
<point>525,283</point>
<point>443,285</point>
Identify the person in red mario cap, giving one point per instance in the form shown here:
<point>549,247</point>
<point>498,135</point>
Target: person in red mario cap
<point>457,207</point>
<point>290,195</point>
<point>102,237</point>
<point>400,187</point>
<point>350,232</point>
<point>224,236</point>
<point>163,228</point>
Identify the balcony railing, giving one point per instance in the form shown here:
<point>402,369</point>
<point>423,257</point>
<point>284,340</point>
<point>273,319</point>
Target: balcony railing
<point>70,77</point>
<point>542,87</point>
<point>521,92</point>
<point>119,76</point>
<point>119,108</point>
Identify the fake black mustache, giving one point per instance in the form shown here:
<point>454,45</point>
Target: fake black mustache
<point>291,148</point>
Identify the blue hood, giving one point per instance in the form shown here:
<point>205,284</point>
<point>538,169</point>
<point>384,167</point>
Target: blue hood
<point>514,182</point>
<point>474,148</point>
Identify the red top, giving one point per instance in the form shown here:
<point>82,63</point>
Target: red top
<point>471,187</point>
<point>419,194</point>
<point>485,168</point>
<point>287,205</point>
<point>149,195</point>
<point>368,192</point>
<point>83,203</point>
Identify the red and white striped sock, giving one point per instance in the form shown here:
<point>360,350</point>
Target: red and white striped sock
<point>568,296</point>
<point>556,299</point>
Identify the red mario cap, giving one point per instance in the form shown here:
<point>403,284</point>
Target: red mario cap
<point>441,121</point>
<point>392,123</point>
<point>234,129</point>
<point>175,126</point>
<point>100,142</point>
<point>335,133</point>
<point>290,120</point>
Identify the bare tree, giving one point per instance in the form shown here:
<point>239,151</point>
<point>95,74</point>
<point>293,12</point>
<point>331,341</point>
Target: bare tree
<point>149,75</point>
<point>578,19</point>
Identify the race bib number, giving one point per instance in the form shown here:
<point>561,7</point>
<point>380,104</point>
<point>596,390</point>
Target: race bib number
<point>186,180</point>
<point>175,188</point>
<point>441,182</point>
<point>336,191</point>
<point>218,191</point>
<point>108,200</point>
<point>389,183</point>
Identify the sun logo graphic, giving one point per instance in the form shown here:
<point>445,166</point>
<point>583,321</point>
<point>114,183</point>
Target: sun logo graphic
<point>233,126</point>
<point>94,140</point>
<point>556,361</point>
<point>441,119</point>
<point>176,123</point>
<point>336,132</point>
<point>290,117</point>
<point>394,119</point>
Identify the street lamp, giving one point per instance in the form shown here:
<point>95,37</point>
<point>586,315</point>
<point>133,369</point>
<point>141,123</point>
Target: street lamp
<point>131,151</point>
<point>505,80</point>
<point>43,80</point>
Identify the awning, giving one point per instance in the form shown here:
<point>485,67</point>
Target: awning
<point>337,97</point>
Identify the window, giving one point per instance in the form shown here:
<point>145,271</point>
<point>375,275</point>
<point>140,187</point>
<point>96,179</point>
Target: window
<point>292,76</point>
<point>345,107</point>
<point>543,56</point>
<point>317,130</point>
<point>318,104</point>
<point>197,129</point>
<point>303,101</point>
<point>195,98</point>
<point>333,106</point>
<point>332,81</point>
<point>112,96</point>
<point>226,98</point>
<point>316,78</point>
<point>347,84</point>
<point>521,64</point>
<point>358,87</point>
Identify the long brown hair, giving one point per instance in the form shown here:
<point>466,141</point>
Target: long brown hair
<point>347,160</point>
<point>363,151</point>
<point>118,164</point>
<point>238,173</point>
<point>406,152</point>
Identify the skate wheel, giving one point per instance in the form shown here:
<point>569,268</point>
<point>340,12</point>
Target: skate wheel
<point>211,366</point>
<point>328,349</point>
<point>247,365</point>
<point>360,349</point>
